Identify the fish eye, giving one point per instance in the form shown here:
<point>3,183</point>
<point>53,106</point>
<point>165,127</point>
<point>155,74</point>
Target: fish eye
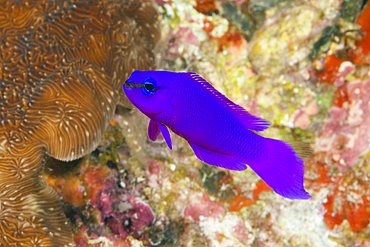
<point>149,86</point>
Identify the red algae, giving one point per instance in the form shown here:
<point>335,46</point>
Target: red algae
<point>358,215</point>
<point>318,173</point>
<point>349,193</point>
<point>94,179</point>
<point>334,211</point>
<point>359,54</point>
<point>208,26</point>
<point>331,66</point>
<point>229,39</point>
<point>239,202</point>
<point>332,62</point>
<point>364,21</point>
<point>339,208</point>
<point>99,208</point>
<point>260,186</point>
<point>143,214</point>
<point>79,188</point>
<point>122,213</point>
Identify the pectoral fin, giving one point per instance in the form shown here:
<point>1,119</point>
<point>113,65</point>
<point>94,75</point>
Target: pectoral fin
<point>218,159</point>
<point>166,134</point>
<point>153,130</point>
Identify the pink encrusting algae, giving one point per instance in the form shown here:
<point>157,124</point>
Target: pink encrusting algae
<point>302,118</point>
<point>346,135</point>
<point>205,208</point>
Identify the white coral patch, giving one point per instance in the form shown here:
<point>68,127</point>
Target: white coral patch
<point>304,221</point>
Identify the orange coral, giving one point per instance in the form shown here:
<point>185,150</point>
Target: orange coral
<point>328,71</point>
<point>61,66</point>
<point>260,186</point>
<point>338,208</point>
<point>82,188</point>
<point>344,185</point>
<point>206,7</point>
<point>364,21</point>
<point>360,55</point>
<point>230,38</point>
<point>239,202</point>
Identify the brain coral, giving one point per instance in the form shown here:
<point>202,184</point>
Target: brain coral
<point>62,64</point>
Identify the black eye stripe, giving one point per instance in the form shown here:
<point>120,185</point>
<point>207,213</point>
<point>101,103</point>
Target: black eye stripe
<point>139,85</point>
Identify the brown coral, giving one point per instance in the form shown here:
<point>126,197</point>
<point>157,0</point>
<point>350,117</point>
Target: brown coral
<point>62,64</point>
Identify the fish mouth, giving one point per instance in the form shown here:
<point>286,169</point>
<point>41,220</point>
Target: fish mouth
<point>128,85</point>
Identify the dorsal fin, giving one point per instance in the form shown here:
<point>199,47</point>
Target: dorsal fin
<point>303,149</point>
<point>250,121</point>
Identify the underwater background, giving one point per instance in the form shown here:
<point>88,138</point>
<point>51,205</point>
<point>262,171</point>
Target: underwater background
<point>304,66</point>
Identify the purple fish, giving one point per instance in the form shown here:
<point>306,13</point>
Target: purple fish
<point>220,132</point>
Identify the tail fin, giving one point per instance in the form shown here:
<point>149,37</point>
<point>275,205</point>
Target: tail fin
<point>282,169</point>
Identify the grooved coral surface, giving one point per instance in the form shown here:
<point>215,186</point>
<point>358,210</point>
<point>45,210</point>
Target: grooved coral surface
<point>62,64</point>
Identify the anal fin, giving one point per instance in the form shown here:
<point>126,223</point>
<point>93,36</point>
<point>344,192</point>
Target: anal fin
<point>217,159</point>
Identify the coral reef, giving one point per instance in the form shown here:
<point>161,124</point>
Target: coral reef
<point>303,65</point>
<point>62,66</point>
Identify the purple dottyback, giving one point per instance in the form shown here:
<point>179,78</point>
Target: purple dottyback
<point>220,132</point>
